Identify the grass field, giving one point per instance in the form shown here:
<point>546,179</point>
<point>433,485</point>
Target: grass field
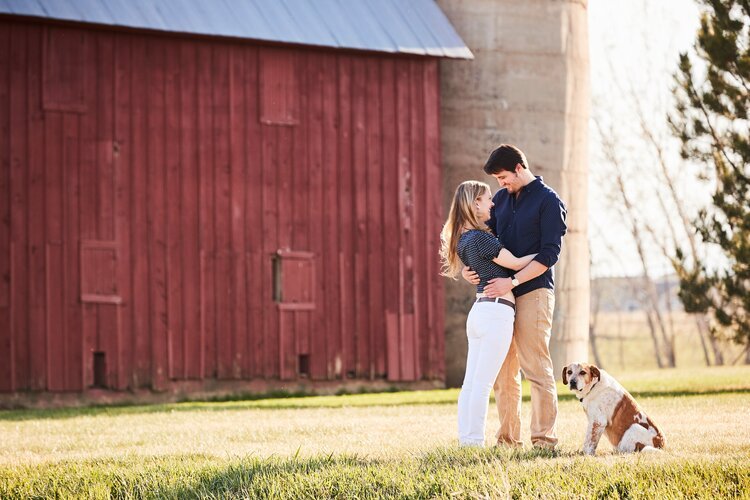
<point>376,445</point>
<point>625,344</point>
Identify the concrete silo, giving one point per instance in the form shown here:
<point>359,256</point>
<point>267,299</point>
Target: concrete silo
<point>528,86</point>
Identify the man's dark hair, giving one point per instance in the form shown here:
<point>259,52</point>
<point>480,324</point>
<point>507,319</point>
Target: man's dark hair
<point>505,157</point>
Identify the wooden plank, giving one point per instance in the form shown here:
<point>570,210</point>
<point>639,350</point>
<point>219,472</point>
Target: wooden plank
<point>286,180</point>
<point>175,206</point>
<point>346,207</point>
<point>256,342</point>
<point>105,137</point>
<point>73,343</point>
<point>419,182</point>
<point>109,329</point>
<point>375,225</point>
<point>19,178</point>
<point>361,196</point>
<point>206,213</point>
<point>123,171</point>
<point>89,201</point>
<point>406,201</point>
<point>7,343</point>
<point>286,341</point>
<point>270,145</point>
<point>39,127</point>
<point>108,334</point>
<point>140,310</point>
<point>302,169</point>
<point>330,325</point>
<point>238,182</point>
<point>55,323</point>
<point>434,219</point>
<point>253,217</point>
<point>391,221</point>
<point>314,334</point>
<point>51,246</point>
<point>224,319</point>
<point>189,190</point>
<point>287,345</point>
<point>157,230</point>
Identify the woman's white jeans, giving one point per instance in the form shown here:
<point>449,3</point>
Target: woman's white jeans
<point>489,328</point>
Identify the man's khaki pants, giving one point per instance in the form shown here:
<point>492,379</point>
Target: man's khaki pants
<point>529,351</point>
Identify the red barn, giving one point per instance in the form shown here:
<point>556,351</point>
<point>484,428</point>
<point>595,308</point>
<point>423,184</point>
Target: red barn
<point>229,195</point>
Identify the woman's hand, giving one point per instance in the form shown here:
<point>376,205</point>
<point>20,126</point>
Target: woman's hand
<point>470,276</point>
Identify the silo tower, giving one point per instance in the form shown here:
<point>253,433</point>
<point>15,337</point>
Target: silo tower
<point>528,86</point>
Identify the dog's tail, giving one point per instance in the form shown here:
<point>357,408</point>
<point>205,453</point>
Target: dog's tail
<point>658,440</point>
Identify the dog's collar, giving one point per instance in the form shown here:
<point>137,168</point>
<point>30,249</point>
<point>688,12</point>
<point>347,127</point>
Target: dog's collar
<point>592,388</point>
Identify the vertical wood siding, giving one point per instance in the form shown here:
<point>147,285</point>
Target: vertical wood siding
<point>151,188</point>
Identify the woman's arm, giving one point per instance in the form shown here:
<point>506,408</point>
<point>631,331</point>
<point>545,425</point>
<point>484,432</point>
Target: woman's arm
<point>510,261</point>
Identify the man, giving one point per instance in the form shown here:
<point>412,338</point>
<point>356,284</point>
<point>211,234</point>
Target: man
<point>528,217</point>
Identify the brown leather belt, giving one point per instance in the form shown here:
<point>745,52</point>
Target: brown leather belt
<point>498,300</point>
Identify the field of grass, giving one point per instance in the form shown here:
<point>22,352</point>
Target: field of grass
<point>374,446</point>
<point>625,343</point>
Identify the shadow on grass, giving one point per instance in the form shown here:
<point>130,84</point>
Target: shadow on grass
<point>263,478</point>
<point>424,477</point>
<point>291,402</point>
<point>438,473</point>
<point>450,456</point>
<point>175,476</point>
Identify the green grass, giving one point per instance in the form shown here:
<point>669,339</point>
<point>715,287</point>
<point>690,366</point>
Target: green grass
<point>445,473</point>
<point>624,342</point>
<point>374,446</point>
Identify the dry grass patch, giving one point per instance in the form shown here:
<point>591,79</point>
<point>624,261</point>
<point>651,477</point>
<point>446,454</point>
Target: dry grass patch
<point>370,446</point>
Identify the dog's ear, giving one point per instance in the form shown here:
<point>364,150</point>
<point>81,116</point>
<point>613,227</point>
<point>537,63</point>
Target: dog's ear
<point>595,373</point>
<point>565,375</point>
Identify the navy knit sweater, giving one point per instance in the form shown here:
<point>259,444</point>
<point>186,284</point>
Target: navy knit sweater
<point>532,222</point>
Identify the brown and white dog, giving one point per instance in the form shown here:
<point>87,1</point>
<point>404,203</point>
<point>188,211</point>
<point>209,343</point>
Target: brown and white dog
<point>611,409</point>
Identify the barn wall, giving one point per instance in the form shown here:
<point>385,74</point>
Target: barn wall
<point>187,209</point>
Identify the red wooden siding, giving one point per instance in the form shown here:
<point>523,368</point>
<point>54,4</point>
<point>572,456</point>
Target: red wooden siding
<point>180,209</point>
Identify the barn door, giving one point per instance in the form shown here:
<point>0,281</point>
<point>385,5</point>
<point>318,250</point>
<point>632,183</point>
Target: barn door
<point>294,287</point>
<point>101,302</point>
<point>104,256</point>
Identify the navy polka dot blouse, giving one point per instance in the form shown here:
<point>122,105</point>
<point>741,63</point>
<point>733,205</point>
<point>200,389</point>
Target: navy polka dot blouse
<point>476,249</point>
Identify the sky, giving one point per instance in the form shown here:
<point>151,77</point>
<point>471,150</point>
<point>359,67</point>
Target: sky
<point>634,48</point>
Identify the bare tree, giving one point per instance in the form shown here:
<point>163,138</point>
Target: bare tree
<point>661,336</point>
<point>676,204</point>
<point>594,320</point>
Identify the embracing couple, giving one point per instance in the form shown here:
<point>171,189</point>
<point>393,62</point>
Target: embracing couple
<point>506,245</point>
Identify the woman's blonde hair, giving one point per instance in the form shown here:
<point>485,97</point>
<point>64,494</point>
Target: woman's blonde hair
<point>460,215</point>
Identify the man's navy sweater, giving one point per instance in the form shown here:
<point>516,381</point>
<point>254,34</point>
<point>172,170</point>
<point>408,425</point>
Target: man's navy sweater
<point>531,222</point>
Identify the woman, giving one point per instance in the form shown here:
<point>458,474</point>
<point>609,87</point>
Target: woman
<point>466,240</point>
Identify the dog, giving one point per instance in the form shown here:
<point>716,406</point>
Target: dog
<point>612,410</point>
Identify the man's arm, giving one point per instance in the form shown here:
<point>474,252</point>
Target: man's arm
<point>469,275</point>
<point>500,286</point>
<point>553,227</point>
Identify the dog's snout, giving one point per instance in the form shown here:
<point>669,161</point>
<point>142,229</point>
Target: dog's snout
<point>573,384</point>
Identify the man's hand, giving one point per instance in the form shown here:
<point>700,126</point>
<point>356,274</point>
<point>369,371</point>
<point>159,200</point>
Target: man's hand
<point>470,276</point>
<point>498,287</point>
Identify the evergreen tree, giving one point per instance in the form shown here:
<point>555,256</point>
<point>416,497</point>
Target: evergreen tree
<point>711,119</point>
